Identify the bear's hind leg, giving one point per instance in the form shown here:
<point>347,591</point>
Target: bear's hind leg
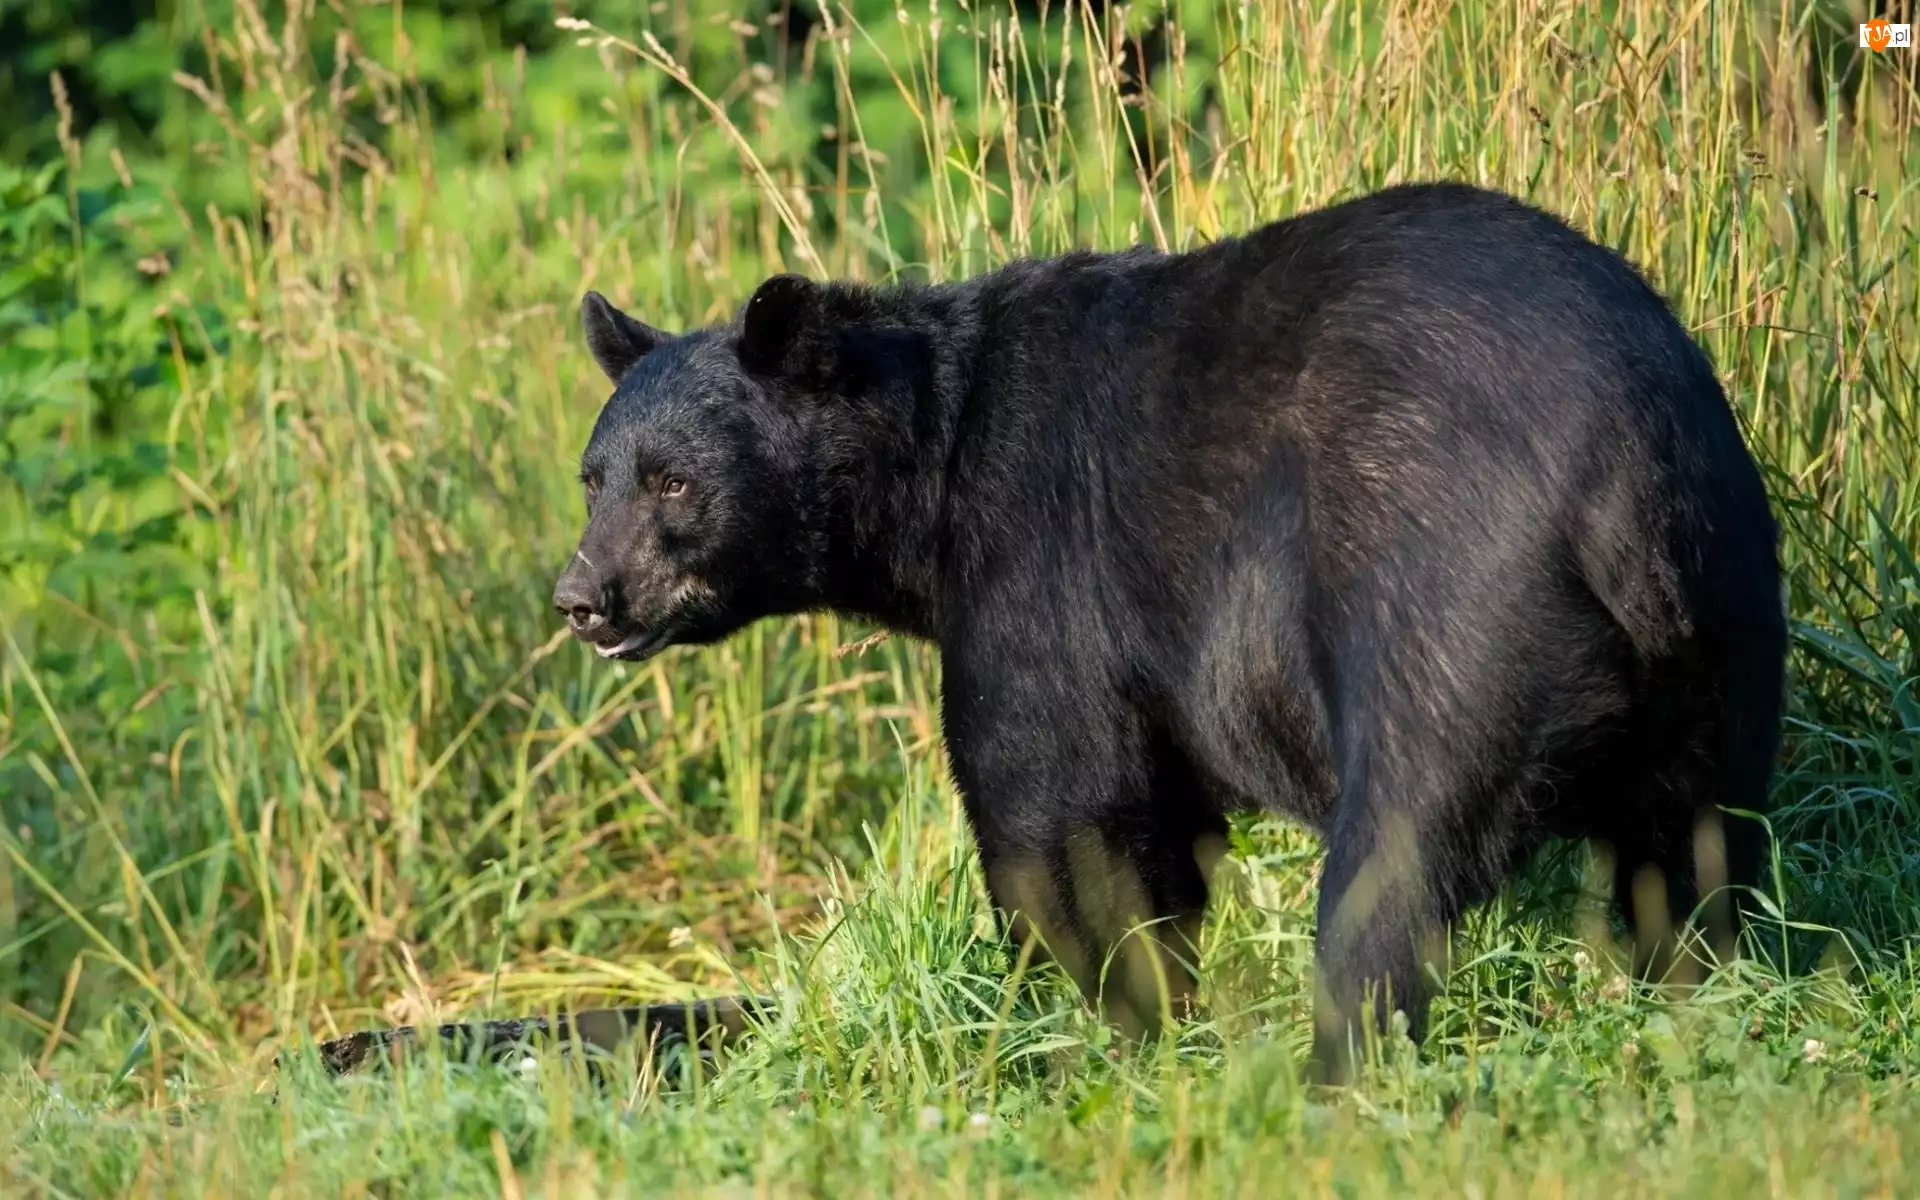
<point>1686,865</point>
<point>1704,741</point>
<point>1409,850</point>
<point>1384,915</point>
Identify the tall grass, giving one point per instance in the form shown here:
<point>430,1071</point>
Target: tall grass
<point>365,779</point>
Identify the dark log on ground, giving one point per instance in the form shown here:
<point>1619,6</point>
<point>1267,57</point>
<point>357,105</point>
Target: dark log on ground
<point>708,1024</point>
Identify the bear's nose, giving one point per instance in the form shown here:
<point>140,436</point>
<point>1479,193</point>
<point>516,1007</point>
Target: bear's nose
<point>582,600</point>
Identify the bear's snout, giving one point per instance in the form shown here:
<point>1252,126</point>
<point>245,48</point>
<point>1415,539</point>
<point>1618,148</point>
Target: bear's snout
<point>581,597</point>
<point>623,610</point>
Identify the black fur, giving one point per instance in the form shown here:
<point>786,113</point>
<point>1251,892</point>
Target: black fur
<point>1418,518</point>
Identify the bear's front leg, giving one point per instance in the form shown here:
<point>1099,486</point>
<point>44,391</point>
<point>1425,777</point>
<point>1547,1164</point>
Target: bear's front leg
<point>1083,849</point>
<point>1093,907</point>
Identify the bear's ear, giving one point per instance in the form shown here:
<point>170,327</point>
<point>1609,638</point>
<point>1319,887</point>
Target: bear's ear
<point>783,332</point>
<point>616,339</point>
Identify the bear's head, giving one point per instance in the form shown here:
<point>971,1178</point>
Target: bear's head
<point>703,508</point>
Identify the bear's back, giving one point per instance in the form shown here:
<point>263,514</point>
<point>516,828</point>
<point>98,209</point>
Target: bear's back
<point>1426,351</point>
<point>1432,404</point>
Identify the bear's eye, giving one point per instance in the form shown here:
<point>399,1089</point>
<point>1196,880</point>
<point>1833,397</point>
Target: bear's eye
<point>592,484</point>
<point>673,486</point>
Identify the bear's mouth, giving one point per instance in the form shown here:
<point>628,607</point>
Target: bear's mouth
<point>636,646</point>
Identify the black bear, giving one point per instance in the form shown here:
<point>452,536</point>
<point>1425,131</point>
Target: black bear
<point>1418,518</point>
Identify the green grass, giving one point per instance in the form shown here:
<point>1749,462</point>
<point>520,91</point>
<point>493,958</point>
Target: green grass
<point>321,762</point>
